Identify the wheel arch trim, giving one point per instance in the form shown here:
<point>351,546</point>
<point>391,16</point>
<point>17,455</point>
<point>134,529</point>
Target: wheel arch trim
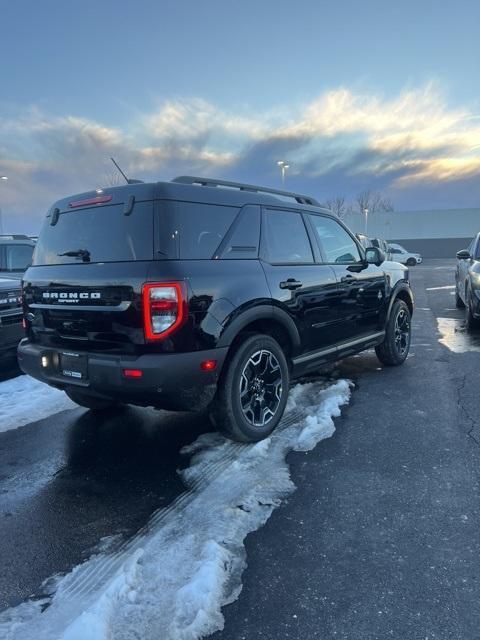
<point>400,291</point>
<point>264,312</point>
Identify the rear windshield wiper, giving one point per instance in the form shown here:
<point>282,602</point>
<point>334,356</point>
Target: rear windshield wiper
<point>79,253</point>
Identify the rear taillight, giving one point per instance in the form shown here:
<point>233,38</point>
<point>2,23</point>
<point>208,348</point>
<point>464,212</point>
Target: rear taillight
<point>164,309</point>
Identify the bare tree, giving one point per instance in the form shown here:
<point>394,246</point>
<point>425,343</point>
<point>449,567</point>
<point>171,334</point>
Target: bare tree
<point>337,205</point>
<point>373,201</point>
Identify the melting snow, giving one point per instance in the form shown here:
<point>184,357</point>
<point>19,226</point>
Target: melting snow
<point>171,580</point>
<point>24,400</point>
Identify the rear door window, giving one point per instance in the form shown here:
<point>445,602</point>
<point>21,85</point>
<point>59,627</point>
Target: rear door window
<point>285,238</point>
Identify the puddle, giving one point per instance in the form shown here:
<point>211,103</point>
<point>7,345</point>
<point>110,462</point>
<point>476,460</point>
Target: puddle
<point>455,337</point>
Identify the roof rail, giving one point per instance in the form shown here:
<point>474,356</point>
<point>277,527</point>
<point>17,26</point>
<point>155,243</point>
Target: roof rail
<point>14,236</point>
<point>209,182</point>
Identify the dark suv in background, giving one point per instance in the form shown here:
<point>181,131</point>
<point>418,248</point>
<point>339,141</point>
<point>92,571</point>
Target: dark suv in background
<point>15,254</point>
<point>11,318</point>
<point>201,293</point>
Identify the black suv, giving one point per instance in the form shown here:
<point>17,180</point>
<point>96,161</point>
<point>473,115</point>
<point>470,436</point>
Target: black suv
<point>11,317</point>
<point>15,253</point>
<point>202,293</point>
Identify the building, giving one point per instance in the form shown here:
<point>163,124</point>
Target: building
<point>438,233</point>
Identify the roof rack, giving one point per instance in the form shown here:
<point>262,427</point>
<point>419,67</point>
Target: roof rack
<point>209,182</point>
<point>14,236</point>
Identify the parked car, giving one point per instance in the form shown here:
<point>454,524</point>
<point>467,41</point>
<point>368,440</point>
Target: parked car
<point>400,254</point>
<point>11,317</point>
<point>364,240</point>
<point>383,246</point>
<point>15,253</point>
<point>467,282</point>
<point>169,295</point>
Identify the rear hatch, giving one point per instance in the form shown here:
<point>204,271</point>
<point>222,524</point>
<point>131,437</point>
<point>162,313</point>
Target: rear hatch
<point>93,255</point>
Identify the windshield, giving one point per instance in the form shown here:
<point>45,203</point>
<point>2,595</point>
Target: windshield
<point>97,234</point>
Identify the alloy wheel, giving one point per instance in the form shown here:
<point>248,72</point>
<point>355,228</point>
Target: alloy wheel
<point>402,332</point>
<point>260,388</point>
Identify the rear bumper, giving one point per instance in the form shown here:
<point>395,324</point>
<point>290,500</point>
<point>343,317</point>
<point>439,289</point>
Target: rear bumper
<point>172,381</point>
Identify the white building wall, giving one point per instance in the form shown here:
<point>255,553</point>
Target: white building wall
<point>415,225</point>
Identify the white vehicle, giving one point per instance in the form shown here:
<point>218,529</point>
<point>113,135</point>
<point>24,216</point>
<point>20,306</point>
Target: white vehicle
<point>400,254</point>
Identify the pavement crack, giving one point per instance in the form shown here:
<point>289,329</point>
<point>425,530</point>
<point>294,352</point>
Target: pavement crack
<point>469,418</point>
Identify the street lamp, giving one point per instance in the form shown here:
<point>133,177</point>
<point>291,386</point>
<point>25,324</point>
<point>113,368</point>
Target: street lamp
<point>365,211</point>
<point>283,168</point>
<point>4,178</point>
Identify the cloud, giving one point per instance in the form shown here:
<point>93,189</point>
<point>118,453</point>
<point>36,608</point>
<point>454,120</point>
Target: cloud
<point>415,147</point>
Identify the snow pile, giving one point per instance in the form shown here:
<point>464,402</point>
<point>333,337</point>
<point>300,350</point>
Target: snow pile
<point>172,579</point>
<point>24,400</point>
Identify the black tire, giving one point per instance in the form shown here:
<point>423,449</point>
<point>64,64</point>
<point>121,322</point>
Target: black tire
<point>394,349</point>
<point>411,262</point>
<point>89,401</point>
<point>459,303</point>
<point>471,323</point>
<point>246,396</point>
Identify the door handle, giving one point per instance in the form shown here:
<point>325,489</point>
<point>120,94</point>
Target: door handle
<point>291,283</point>
<point>347,278</point>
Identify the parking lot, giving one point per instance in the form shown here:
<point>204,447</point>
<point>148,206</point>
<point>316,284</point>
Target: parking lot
<point>379,539</point>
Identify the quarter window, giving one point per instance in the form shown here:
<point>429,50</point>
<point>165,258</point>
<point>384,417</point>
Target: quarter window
<point>285,238</point>
<point>338,245</point>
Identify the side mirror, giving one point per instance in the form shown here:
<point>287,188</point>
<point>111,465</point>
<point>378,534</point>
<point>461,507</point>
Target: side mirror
<point>464,254</point>
<point>373,255</point>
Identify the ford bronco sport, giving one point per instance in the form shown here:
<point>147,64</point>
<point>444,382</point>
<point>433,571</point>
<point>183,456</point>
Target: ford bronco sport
<point>200,293</point>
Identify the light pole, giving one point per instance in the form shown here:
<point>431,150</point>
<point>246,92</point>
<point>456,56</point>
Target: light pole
<point>4,178</point>
<point>283,168</point>
<point>365,211</point>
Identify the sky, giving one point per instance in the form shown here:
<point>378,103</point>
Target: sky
<point>353,95</point>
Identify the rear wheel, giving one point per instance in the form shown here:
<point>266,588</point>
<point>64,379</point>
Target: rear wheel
<point>253,390</point>
<point>394,349</point>
<point>89,401</point>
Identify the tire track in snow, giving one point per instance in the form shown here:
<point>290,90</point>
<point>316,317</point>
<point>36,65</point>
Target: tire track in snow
<point>175,574</point>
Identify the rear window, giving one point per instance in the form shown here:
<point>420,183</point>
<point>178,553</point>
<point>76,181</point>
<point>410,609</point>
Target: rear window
<point>98,234</point>
<point>191,230</point>
<point>18,257</point>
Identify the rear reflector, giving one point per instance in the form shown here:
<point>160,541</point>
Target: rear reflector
<point>208,365</point>
<point>164,309</point>
<point>132,373</point>
<point>90,201</point>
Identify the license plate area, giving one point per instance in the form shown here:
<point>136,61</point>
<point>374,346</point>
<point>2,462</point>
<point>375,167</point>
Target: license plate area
<point>74,365</point>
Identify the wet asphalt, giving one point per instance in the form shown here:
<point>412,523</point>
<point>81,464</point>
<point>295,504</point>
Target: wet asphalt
<point>380,540</point>
<point>382,537</point>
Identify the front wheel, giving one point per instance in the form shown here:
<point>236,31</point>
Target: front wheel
<point>459,303</point>
<point>394,349</point>
<point>89,401</point>
<point>471,323</point>
<point>411,262</point>
<point>253,390</point>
